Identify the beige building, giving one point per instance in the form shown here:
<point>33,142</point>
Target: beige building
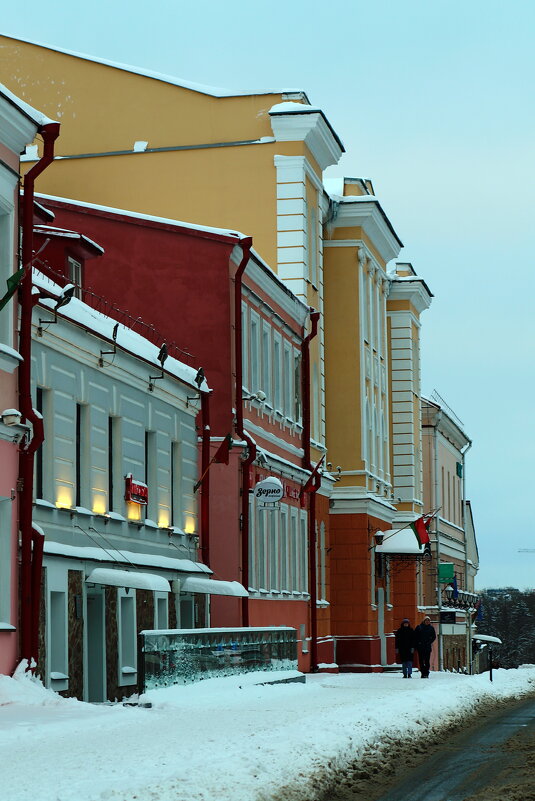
<point>450,602</point>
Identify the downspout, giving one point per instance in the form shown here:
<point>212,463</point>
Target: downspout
<point>437,535</point>
<point>307,464</point>
<point>205,472</point>
<point>468,613</point>
<point>245,245</point>
<point>29,586</point>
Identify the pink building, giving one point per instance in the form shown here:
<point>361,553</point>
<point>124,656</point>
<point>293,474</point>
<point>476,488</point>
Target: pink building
<point>19,124</point>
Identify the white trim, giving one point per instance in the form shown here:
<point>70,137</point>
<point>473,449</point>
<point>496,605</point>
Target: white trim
<point>311,128</point>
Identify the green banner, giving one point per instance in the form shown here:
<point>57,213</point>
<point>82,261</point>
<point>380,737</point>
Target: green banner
<point>445,572</point>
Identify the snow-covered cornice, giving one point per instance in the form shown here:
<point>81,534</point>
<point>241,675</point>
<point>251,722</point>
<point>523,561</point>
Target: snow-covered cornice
<point>296,122</point>
<point>17,129</point>
<point>413,289</point>
<point>366,212</point>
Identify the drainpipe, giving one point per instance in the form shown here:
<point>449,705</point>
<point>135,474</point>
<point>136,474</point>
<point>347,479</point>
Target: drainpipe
<point>468,614</point>
<point>29,586</point>
<point>245,244</point>
<point>205,472</point>
<point>437,535</point>
<point>307,464</point>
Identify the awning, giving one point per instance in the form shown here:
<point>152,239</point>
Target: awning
<point>486,638</point>
<point>126,578</point>
<point>211,587</point>
<point>399,541</point>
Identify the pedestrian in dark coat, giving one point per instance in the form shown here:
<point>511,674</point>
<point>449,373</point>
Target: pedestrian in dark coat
<point>405,645</point>
<point>425,637</point>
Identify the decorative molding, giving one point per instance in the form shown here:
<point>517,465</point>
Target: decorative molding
<point>17,130</point>
<point>312,128</point>
<point>366,213</point>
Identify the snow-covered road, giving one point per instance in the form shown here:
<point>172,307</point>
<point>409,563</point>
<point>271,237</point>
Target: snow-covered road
<point>224,738</point>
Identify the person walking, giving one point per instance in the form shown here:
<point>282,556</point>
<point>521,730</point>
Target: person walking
<point>425,637</point>
<point>405,644</point>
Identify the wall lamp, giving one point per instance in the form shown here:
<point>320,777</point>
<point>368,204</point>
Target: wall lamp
<point>11,417</point>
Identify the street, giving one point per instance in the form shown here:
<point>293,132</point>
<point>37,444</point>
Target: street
<point>494,758</point>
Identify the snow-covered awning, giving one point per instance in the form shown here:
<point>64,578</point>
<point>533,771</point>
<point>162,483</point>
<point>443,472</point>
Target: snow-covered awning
<point>486,638</point>
<point>126,578</point>
<point>212,587</point>
<point>399,541</point>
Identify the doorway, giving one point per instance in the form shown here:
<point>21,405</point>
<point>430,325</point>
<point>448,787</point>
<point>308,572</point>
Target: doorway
<point>96,646</point>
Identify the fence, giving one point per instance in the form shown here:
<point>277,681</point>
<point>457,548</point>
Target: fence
<point>183,656</point>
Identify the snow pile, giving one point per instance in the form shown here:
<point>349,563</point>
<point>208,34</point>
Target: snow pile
<point>234,738</point>
<point>26,689</point>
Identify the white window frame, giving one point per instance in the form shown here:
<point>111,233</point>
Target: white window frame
<point>245,346</point>
<point>8,265</point>
<point>262,558</point>
<point>274,551</point>
<point>254,340</point>
<point>267,347</point>
<point>161,599</point>
<point>288,381</point>
<point>278,383</point>
<point>303,552</point>
<point>75,275</point>
<point>58,651</point>
<point>126,629</point>
<point>284,548</point>
<point>294,551</point>
<point>253,564</point>
<point>312,242</point>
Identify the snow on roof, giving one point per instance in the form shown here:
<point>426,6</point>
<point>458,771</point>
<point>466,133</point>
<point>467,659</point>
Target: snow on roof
<point>35,116</point>
<point>158,76</point>
<point>213,587</point>
<point>291,107</point>
<point>64,232</point>
<point>126,578</point>
<point>94,554</point>
<point>128,340</point>
<point>399,541</point>
<point>149,217</point>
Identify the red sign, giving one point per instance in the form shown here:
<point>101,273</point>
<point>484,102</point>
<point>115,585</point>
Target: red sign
<point>136,491</point>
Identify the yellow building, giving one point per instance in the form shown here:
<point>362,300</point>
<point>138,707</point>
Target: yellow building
<point>148,143</point>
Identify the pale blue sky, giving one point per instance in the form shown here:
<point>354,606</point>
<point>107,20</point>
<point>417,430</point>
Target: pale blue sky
<point>434,102</point>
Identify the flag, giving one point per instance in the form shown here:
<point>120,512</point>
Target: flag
<point>12,283</point>
<point>455,588</point>
<point>420,529</point>
<point>221,456</point>
<point>479,615</point>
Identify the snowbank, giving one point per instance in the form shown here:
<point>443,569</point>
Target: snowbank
<point>25,689</point>
<point>233,738</point>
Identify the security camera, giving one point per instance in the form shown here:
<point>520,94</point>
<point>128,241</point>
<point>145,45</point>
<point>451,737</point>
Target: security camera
<point>11,417</point>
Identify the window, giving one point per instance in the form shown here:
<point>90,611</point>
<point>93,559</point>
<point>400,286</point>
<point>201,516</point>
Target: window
<point>261,564</point>
<point>8,266</point>
<point>297,387</point>
<point>294,550</point>
<point>323,566</point>
<point>75,275</point>
<point>58,639</point>
<point>266,360</point>
<point>176,485</point>
<point>285,555</point>
<point>277,372</point>
<point>82,454</point>
<point>303,551</point>
<point>274,578</point>
<point>316,403</point>
<point>39,452</point>
<point>253,572</point>
<point>127,640</point>
<point>245,352</point>
<point>5,563</point>
<point>255,353</point>
<point>150,474</point>
<point>288,382</point>
<point>161,610</point>
<point>313,245</point>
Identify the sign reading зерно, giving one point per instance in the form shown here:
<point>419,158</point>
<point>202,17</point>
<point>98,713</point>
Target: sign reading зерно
<point>270,490</point>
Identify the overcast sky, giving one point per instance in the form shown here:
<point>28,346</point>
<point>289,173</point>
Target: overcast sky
<point>434,102</point>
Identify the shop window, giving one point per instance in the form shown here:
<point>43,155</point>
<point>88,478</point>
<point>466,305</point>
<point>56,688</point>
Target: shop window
<point>126,625</point>
<point>161,610</point>
<point>57,642</point>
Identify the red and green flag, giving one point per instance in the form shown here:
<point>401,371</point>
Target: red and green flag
<point>420,528</point>
<point>12,283</point>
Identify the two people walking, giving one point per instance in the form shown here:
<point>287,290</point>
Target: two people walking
<point>409,640</point>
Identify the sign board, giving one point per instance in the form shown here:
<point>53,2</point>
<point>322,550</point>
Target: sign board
<point>270,490</point>
<point>447,617</point>
<point>136,491</point>
<point>445,572</point>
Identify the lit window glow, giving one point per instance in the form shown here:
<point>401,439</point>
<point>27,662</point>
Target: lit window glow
<point>64,498</point>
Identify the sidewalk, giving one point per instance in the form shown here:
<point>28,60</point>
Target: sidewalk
<point>224,739</point>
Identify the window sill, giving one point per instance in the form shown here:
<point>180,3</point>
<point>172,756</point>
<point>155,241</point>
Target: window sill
<point>7,627</point>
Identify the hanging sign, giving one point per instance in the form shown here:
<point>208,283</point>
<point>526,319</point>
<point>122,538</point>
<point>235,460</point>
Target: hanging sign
<point>445,572</point>
<point>270,489</point>
<point>136,491</point>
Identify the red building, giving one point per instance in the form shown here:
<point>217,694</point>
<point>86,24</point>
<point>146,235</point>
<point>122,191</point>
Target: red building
<point>206,291</point>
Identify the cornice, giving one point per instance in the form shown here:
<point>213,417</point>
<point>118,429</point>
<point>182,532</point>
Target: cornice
<point>312,128</point>
<point>367,214</point>
<point>17,129</point>
<point>414,290</point>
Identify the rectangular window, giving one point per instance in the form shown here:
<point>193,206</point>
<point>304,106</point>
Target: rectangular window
<point>5,562</point>
<point>253,565</point>
<point>245,348</point>
<point>284,554</point>
<point>7,262</point>
<point>262,567</point>
<point>274,578</point>
<point>58,638</point>
<point>176,485</point>
<point>82,454</point>
<point>288,382</point>
<point>297,387</point>
<point>161,610</point>
<point>313,245</point>
<point>277,372</point>
<point>126,624</point>
<point>150,474</point>
<point>75,275</point>
<point>39,490</point>
<point>294,551</point>
<point>303,551</point>
<point>323,565</point>
<point>255,353</point>
<point>266,360</point>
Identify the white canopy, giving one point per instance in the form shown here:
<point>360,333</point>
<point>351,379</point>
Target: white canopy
<point>399,541</point>
<point>125,578</point>
<point>486,638</point>
<point>212,587</point>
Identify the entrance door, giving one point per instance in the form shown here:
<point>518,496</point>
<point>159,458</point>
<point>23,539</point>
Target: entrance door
<point>96,646</point>
<point>381,623</point>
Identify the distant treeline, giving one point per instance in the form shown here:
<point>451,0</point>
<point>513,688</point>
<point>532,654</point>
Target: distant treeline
<point>510,615</point>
